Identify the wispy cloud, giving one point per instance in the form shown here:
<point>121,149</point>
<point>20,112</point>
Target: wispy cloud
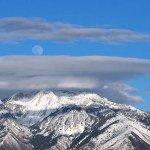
<point>18,28</point>
<point>147,91</point>
<point>105,75</point>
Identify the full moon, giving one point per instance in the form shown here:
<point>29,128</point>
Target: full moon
<point>37,50</point>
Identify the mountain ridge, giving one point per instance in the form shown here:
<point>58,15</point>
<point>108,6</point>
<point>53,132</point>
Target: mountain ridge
<point>74,120</point>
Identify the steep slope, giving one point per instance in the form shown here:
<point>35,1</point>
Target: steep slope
<point>78,120</point>
<point>13,136</point>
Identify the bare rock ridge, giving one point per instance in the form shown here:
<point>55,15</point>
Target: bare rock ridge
<point>53,120</point>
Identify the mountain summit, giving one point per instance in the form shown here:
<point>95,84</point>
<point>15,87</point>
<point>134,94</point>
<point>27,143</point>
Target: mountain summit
<point>68,120</point>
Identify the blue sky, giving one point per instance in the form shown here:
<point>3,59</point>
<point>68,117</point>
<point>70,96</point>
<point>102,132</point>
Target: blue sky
<point>98,14</point>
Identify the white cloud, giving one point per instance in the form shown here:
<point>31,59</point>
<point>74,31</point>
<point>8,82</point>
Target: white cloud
<point>18,28</point>
<point>78,82</point>
<point>4,83</point>
<point>123,92</point>
<point>105,75</point>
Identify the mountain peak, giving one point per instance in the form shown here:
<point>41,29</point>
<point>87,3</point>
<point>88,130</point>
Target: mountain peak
<point>74,119</point>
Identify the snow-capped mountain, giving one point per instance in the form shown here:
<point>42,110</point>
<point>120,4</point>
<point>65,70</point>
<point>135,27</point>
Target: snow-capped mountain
<point>53,120</point>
